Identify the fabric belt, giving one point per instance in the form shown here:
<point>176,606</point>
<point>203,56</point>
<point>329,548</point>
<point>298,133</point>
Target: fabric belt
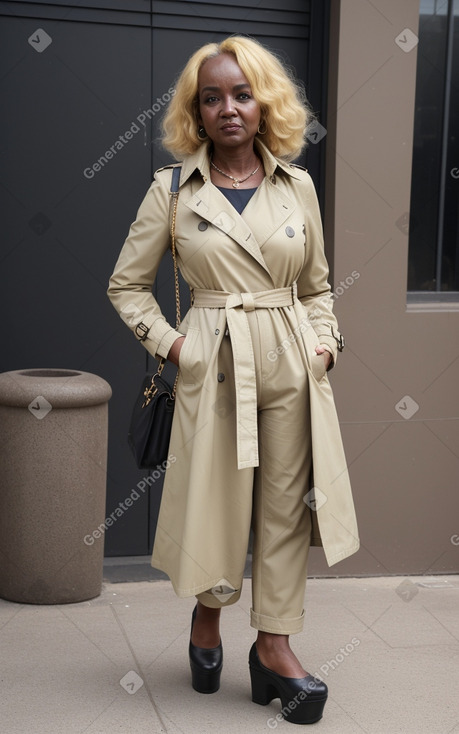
<point>236,306</point>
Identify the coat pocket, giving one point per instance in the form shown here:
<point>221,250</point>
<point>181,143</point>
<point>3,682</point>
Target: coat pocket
<point>316,361</point>
<point>187,356</point>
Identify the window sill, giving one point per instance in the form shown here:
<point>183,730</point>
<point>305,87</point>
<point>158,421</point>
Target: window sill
<point>432,302</point>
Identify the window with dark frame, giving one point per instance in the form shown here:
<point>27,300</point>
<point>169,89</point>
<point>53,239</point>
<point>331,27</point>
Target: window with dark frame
<point>433,262</point>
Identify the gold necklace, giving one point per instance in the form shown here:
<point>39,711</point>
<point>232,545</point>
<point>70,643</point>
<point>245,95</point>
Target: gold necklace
<point>236,181</point>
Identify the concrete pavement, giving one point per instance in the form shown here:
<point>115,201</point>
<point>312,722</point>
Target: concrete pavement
<point>388,648</point>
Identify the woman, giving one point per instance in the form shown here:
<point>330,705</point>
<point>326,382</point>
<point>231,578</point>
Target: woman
<point>255,432</point>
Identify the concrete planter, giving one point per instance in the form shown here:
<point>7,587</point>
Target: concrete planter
<point>53,461</point>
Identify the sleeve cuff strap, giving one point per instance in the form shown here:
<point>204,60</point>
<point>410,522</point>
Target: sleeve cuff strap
<point>166,342</point>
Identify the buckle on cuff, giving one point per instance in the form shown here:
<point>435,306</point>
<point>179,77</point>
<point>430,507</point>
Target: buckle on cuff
<point>141,331</point>
<point>339,341</point>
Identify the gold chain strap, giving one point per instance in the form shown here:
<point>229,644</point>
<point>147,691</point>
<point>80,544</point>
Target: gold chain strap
<point>152,389</point>
<point>174,195</point>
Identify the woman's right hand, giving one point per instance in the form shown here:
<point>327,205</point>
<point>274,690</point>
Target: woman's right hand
<point>174,351</point>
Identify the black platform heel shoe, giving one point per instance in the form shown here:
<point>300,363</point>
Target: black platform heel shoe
<point>206,665</point>
<point>303,699</point>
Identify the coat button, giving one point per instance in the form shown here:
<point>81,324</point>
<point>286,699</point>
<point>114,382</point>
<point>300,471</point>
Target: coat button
<point>217,331</point>
<point>220,377</point>
<point>202,226</point>
<point>290,232</point>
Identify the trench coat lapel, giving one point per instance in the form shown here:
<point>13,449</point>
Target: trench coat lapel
<point>210,204</point>
<point>248,230</point>
<point>276,207</point>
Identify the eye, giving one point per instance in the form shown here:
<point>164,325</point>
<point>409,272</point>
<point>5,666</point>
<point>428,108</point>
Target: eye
<point>244,95</point>
<point>211,98</point>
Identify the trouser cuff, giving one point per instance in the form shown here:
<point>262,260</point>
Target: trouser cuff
<point>276,626</point>
<point>216,600</point>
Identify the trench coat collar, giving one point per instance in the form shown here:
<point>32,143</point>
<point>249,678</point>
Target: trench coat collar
<point>200,161</point>
<point>219,212</point>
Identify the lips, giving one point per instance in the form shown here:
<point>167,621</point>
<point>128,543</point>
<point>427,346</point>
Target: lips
<point>231,127</point>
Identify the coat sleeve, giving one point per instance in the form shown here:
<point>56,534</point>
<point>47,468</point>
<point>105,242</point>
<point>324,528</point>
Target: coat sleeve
<point>314,291</point>
<point>130,286</point>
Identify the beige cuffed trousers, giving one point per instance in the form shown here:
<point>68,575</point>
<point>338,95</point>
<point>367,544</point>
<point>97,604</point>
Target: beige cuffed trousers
<point>281,520</point>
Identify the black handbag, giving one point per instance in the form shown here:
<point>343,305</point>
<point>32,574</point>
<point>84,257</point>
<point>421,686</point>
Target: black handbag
<point>151,421</point>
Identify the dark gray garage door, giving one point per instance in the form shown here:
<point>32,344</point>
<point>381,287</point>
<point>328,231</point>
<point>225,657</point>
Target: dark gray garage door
<point>78,79</point>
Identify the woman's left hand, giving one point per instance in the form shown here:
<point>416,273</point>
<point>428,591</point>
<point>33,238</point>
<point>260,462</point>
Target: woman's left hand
<point>327,356</point>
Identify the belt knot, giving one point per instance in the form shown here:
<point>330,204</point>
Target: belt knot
<point>248,303</point>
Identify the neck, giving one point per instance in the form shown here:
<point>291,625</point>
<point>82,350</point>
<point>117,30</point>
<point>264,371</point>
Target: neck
<point>237,161</point>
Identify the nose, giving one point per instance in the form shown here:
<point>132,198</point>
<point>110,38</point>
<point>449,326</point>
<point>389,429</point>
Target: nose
<point>228,107</point>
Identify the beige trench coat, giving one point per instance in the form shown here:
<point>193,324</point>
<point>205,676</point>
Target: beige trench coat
<point>220,250</point>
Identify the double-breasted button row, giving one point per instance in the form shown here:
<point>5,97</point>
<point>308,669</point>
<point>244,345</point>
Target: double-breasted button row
<point>289,231</point>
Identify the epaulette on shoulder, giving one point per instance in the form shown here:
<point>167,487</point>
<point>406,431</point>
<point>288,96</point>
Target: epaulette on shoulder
<point>170,165</point>
<point>295,165</point>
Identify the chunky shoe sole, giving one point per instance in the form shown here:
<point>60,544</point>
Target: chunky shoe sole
<point>303,699</point>
<point>203,682</point>
<point>206,665</point>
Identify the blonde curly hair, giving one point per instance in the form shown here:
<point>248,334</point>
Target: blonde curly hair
<point>283,104</point>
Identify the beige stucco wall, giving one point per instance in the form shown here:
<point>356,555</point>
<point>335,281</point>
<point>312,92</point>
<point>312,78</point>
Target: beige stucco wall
<point>405,471</point>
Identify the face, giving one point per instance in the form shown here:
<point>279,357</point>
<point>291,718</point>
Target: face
<point>228,111</point>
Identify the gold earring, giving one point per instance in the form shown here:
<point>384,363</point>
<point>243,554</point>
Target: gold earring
<point>263,132</point>
<point>201,130</point>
